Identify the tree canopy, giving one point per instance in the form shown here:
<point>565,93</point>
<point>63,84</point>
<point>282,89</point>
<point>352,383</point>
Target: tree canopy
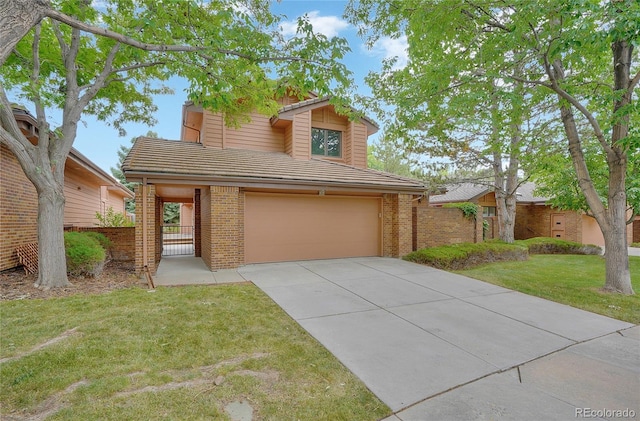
<point>575,59</point>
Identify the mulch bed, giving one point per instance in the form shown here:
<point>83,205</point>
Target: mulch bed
<point>16,285</point>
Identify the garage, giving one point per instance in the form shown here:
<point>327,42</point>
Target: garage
<point>286,227</point>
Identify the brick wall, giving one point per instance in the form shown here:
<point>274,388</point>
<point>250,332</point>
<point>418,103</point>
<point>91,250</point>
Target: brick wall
<point>18,209</point>
<point>397,228</point>
<point>123,244</point>
<point>636,231</point>
<point>227,227</point>
<point>151,201</point>
<point>535,221</point>
<point>441,226</point>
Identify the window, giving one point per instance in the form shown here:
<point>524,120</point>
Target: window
<point>488,211</point>
<point>326,142</point>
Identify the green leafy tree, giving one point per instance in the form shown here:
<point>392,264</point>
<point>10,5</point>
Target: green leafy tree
<point>109,62</point>
<point>171,213</point>
<point>386,155</point>
<point>577,55</point>
<point>130,205</point>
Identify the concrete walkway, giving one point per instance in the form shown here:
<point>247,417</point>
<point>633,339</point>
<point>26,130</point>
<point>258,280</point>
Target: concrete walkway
<point>435,345</point>
<point>189,270</point>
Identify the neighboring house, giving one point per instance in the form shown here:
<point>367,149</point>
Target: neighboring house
<point>87,189</point>
<point>534,217</point>
<point>292,187</point>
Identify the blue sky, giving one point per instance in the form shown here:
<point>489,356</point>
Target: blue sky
<point>100,142</point>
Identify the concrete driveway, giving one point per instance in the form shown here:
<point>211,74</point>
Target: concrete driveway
<point>435,345</point>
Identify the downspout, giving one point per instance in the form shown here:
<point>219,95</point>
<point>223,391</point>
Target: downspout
<point>145,253</point>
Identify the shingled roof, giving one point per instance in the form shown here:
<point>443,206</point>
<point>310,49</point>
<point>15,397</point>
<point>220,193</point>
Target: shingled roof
<point>466,192</point>
<point>462,192</point>
<point>168,159</point>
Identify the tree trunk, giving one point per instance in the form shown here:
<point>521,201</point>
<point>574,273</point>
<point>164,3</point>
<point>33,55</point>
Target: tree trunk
<point>52,262</point>
<point>17,17</point>
<point>618,276</point>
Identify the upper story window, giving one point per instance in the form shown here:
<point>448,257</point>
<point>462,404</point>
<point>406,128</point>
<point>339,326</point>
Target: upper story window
<point>326,142</point>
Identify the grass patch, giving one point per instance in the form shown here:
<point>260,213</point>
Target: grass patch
<point>546,245</point>
<point>569,279</point>
<point>466,255</point>
<point>177,353</point>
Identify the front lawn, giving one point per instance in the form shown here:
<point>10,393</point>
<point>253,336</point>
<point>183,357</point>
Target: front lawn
<point>179,353</point>
<point>575,280</point>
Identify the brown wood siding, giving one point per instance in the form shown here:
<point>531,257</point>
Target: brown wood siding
<point>212,130</point>
<point>488,200</point>
<point>258,135</point>
<point>347,146</point>
<point>297,227</point>
<point>302,136</point>
<point>115,201</point>
<point>82,200</point>
<point>359,146</point>
<point>288,139</point>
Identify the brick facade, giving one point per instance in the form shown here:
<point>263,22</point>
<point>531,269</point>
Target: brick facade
<point>635,237</point>
<point>150,200</point>
<point>18,209</point>
<point>227,227</point>
<point>397,228</point>
<point>535,221</point>
<point>441,226</point>
<point>123,248</point>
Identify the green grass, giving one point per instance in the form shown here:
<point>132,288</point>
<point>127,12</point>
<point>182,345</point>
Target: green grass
<point>130,347</point>
<point>575,280</point>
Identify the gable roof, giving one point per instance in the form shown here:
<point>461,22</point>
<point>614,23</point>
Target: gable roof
<point>159,159</point>
<point>462,192</point>
<point>288,111</point>
<point>468,192</point>
<point>75,159</point>
<point>525,194</point>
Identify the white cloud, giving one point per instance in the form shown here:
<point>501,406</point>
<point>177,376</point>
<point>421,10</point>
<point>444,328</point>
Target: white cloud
<point>329,26</point>
<point>387,48</point>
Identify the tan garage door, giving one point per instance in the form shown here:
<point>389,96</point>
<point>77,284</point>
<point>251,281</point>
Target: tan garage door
<point>299,227</point>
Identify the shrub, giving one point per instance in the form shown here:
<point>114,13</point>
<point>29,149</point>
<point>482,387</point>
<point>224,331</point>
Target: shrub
<point>85,255</point>
<point>102,239</point>
<point>112,218</point>
<point>467,255</point>
<point>546,245</point>
<point>635,245</point>
<point>470,210</point>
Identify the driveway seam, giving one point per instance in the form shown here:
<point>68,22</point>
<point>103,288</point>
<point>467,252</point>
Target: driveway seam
<point>504,370</point>
<point>402,318</point>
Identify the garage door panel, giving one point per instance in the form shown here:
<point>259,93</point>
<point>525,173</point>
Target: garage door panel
<point>288,227</point>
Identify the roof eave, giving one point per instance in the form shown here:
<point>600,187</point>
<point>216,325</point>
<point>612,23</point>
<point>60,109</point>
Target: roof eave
<point>160,178</point>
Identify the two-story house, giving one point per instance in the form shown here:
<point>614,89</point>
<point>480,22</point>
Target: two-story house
<point>291,187</point>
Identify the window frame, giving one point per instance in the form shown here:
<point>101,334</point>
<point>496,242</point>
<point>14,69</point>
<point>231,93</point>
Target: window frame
<point>488,210</point>
<point>325,145</point>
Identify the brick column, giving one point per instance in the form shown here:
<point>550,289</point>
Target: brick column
<point>405,225</point>
<point>150,202</point>
<point>227,222</point>
<point>397,225</point>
